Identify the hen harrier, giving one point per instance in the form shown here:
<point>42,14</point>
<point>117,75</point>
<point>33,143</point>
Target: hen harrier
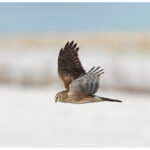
<point>80,85</point>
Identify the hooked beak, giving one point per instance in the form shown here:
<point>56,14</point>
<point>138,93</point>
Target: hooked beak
<point>55,101</point>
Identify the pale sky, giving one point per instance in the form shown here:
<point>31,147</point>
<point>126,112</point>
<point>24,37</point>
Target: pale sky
<point>72,17</point>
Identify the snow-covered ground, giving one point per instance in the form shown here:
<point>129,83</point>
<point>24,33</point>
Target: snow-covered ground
<point>29,117</point>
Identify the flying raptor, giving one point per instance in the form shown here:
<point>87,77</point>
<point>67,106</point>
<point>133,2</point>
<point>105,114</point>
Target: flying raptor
<point>80,86</point>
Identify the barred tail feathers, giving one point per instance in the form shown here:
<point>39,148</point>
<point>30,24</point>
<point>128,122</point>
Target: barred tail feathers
<point>98,98</point>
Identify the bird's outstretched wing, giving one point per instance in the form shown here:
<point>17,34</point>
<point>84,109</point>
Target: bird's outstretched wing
<point>69,65</point>
<point>87,84</point>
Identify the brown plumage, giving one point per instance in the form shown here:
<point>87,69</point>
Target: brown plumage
<point>80,86</point>
<point>69,65</point>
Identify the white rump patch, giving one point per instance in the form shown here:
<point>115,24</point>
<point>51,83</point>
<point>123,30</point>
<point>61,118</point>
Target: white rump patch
<point>96,97</point>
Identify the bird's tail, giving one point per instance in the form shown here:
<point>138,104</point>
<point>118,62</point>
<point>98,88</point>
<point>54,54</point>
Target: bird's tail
<point>109,99</point>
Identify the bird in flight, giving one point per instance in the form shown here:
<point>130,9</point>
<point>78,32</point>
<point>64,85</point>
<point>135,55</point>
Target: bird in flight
<point>80,86</point>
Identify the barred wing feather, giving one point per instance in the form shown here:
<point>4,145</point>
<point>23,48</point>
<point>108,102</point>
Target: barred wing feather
<point>88,83</point>
<point>69,65</point>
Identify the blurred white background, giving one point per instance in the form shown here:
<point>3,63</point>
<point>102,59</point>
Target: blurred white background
<point>31,35</point>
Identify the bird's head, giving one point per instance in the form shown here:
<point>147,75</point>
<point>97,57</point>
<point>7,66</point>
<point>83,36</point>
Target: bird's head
<point>60,97</point>
<point>57,97</point>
